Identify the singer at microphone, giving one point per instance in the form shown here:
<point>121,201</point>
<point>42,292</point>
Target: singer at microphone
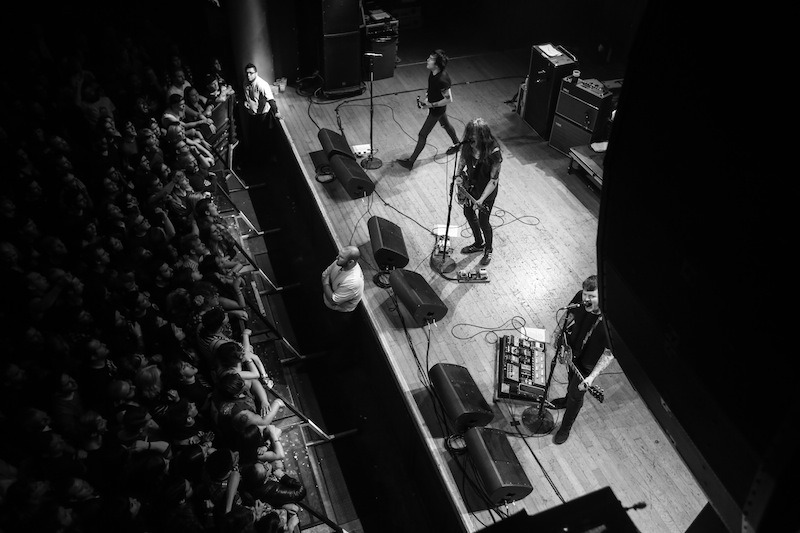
<point>589,351</point>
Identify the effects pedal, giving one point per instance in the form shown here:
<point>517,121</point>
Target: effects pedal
<point>443,245</point>
<point>478,276</point>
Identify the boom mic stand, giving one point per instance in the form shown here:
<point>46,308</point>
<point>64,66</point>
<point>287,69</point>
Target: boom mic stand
<point>371,162</point>
<point>543,423</point>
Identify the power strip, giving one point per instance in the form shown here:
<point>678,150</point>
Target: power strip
<point>360,150</point>
<point>478,276</point>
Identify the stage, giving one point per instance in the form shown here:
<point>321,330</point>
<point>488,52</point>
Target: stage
<point>545,226</point>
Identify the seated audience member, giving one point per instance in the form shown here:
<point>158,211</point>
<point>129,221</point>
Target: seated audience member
<point>176,114</point>
<point>178,83</point>
<point>197,169</point>
<point>92,101</point>
<point>222,481</point>
<point>259,482</point>
<point>186,426</point>
<point>262,445</point>
<point>96,373</point>
<point>190,462</point>
<point>217,71</point>
<point>129,146</point>
<point>140,432</point>
<point>236,408</point>
<point>216,92</point>
<point>190,384</point>
<point>197,106</point>
<point>143,113</point>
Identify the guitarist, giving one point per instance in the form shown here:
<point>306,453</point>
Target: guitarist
<point>479,161</point>
<point>588,345</point>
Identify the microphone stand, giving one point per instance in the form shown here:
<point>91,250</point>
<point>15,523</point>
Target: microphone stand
<point>441,263</point>
<point>543,423</point>
<point>371,162</point>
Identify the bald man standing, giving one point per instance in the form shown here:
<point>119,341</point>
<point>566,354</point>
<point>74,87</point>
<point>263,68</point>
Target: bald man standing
<point>343,281</point>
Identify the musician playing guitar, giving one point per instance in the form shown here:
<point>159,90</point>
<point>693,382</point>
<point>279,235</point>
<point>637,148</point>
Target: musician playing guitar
<point>479,173</point>
<point>590,351</point>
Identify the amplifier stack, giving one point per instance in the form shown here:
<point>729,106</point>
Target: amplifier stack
<point>582,114</point>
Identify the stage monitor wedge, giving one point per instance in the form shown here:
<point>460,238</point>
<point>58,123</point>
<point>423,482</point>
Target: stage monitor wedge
<point>504,479</point>
<point>417,296</point>
<point>461,398</point>
<point>334,144</point>
<point>388,245</point>
<point>352,177</point>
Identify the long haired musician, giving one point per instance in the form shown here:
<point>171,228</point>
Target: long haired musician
<point>479,174</point>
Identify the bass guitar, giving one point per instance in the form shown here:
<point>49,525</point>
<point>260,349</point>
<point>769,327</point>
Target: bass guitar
<point>463,195</point>
<point>565,356</point>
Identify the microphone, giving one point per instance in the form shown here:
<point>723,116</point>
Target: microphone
<point>372,54</point>
<point>573,306</point>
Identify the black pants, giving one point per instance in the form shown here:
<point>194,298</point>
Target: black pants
<point>426,129</point>
<point>574,403</point>
<point>258,132</point>
<point>479,224</point>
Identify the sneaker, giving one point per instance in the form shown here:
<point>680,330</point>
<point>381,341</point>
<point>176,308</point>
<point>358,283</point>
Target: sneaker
<point>472,248</point>
<point>453,149</point>
<point>561,436</point>
<point>559,403</point>
<point>486,259</point>
<point>405,163</point>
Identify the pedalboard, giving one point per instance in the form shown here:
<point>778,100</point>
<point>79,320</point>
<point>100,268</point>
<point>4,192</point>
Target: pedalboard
<point>478,276</point>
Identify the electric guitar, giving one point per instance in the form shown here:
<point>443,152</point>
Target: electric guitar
<point>565,355</point>
<point>463,196</point>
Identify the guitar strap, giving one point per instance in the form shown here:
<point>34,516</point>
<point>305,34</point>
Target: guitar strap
<point>589,333</point>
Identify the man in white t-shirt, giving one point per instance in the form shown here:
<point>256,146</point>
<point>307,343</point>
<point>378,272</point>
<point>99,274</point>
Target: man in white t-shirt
<point>343,281</point>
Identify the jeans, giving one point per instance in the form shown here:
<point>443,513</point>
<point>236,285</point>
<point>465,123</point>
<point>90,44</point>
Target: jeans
<point>426,129</point>
<point>479,224</point>
<point>574,402</point>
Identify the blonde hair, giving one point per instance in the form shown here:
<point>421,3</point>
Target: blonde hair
<point>148,381</point>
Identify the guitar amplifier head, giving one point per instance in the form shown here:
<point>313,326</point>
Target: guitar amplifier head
<point>591,91</point>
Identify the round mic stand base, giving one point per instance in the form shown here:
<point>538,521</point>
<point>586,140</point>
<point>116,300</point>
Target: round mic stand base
<point>442,263</point>
<point>536,422</point>
<point>371,163</point>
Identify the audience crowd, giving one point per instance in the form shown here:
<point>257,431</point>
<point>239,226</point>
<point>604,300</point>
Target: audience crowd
<point>132,400</point>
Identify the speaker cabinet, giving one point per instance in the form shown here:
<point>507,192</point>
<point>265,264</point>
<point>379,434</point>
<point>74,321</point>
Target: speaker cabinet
<point>352,177</point>
<point>382,67</point>
<point>463,402</point>
<point>342,63</point>
<point>566,134</point>
<point>417,296</point>
<point>504,479</point>
<point>381,38</point>
<point>582,114</point>
<point>544,81</point>
<point>388,245</point>
<point>340,16</point>
<point>334,144</point>
<point>582,108</point>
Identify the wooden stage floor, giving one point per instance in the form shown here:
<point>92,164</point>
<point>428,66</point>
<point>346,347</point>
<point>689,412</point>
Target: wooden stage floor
<point>545,224</point>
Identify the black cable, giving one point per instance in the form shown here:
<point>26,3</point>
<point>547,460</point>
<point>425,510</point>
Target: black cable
<point>517,322</point>
<point>541,467</point>
<point>635,507</point>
